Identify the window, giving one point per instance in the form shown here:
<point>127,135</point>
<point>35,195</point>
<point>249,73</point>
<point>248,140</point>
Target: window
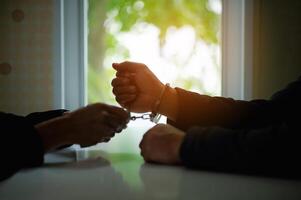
<point>183,47</point>
<point>178,40</point>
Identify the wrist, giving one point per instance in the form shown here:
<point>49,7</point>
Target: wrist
<point>156,97</point>
<point>155,116</point>
<point>52,133</point>
<point>169,104</point>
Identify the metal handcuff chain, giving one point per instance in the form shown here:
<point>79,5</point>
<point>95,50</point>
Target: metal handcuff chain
<point>153,116</point>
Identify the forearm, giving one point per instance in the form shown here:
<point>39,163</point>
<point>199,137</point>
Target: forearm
<point>202,110</point>
<point>269,151</point>
<point>23,144</point>
<point>20,144</point>
<point>52,133</point>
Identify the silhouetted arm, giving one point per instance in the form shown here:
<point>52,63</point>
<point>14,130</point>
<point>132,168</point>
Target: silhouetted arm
<point>20,144</point>
<point>260,136</point>
<point>205,111</point>
<point>273,150</point>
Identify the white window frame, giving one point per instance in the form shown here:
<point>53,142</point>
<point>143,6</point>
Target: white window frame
<point>70,54</point>
<point>70,51</point>
<point>237,49</point>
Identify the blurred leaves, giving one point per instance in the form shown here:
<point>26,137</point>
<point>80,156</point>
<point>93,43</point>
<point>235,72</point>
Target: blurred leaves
<point>163,14</point>
<point>166,13</point>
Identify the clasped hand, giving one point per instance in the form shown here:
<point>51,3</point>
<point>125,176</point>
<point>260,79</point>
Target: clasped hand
<point>86,126</point>
<point>136,88</point>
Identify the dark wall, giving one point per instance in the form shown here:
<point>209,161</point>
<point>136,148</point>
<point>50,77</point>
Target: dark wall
<point>277,50</point>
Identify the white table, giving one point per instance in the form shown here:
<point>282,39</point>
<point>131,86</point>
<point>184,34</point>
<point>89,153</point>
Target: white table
<point>106,172</point>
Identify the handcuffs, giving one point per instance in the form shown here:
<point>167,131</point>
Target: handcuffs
<point>153,116</point>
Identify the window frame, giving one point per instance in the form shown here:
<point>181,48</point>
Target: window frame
<point>70,54</point>
<point>70,51</point>
<point>237,49</point>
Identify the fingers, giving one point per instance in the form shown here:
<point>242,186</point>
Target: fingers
<point>124,99</point>
<point>150,144</point>
<point>115,118</point>
<point>121,90</point>
<point>118,114</point>
<point>120,81</point>
<point>124,91</point>
<point>84,145</point>
<point>143,151</point>
<point>105,140</point>
<point>95,123</point>
<point>103,130</point>
<point>128,66</point>
<point>124,87</point>
<point>115,123</point>
<point>101,111</point>
<point>127,106</point>
<point>145,147</point>
<point>123,74</point>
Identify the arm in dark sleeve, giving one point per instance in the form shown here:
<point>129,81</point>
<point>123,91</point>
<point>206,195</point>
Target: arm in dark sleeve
<point>201,110</point>
<point>20,145</point>
<point>39,117</point>
<point>274,150</point>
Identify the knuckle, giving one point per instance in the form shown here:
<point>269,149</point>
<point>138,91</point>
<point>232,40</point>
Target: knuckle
<point>144,155</point>
<point>108,132</point>
<point>114,90</point>
<point>97,105</point>
<point>117,74</point>
<point>113,82</point>
<point>141,144</point>
<point>118,99</point>
<point>147,158</point>
<point>120,111</point>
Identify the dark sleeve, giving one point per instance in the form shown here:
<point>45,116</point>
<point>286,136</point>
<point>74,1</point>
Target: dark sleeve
<point>201,110</point>
<point>20,144</point>
<point>274,150</point>
<point>39,117</point>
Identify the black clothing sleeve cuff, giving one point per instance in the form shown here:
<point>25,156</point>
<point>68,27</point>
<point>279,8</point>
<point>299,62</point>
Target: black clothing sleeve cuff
<point>39,117</point>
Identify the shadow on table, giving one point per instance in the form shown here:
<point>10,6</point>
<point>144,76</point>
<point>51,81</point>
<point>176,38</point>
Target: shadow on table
<point>92,176</point>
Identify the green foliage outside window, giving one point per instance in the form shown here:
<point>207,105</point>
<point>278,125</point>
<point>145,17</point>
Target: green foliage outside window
<point>163,14</point>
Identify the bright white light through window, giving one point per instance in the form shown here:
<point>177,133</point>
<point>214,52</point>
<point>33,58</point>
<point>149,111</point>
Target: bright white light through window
<point>178,40</point>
